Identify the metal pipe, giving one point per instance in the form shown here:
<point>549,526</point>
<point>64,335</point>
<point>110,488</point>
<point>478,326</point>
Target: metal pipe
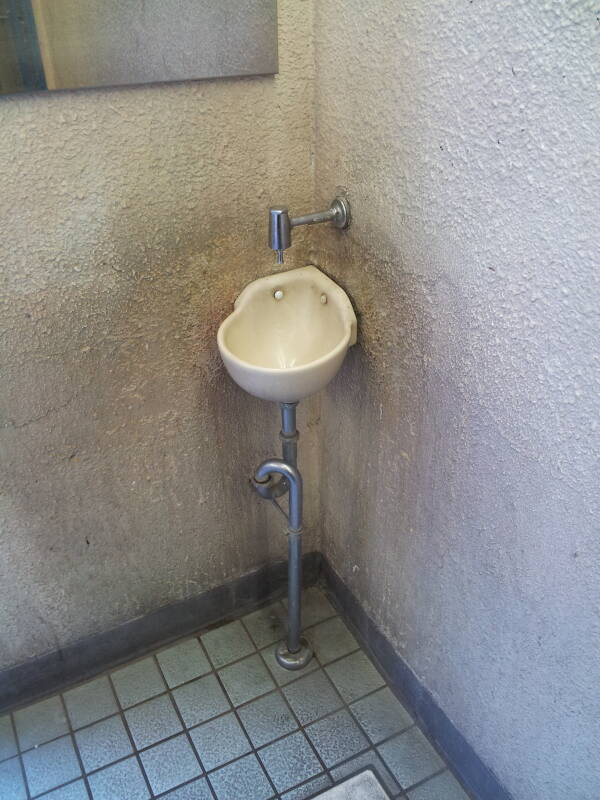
<point>295,653</point>
<point>314,219</point>
<point>294,479</point>
<point>289,435</point>
<point>281,224</point>
<point>294,591</point>
<point>289,438</point>
<point>288,419</point>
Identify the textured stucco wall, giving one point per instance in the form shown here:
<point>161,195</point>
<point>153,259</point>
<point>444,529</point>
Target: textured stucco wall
<point>461,441</point>
<point>130,221</point>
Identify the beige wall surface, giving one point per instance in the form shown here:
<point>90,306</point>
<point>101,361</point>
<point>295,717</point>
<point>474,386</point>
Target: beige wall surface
<point>457,450</point>
<point>461,441</point>
<point>131,219</point>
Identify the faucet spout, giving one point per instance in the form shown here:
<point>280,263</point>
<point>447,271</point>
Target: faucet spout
<point>280,231</point>
<point>280,223</point>
<point>294,481</point>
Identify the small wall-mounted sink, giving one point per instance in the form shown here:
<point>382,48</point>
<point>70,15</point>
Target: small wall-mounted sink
<point>288,335</point>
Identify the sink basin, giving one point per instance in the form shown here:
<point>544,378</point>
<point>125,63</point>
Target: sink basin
<point>288,335</point>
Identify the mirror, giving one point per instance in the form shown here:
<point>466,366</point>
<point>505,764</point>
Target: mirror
<point>70,44</point>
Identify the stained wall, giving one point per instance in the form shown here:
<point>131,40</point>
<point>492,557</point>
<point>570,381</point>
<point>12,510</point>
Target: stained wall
<point>131,219</point>
<point>461,440</point>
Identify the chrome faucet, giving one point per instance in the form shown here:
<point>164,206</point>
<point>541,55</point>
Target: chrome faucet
<point>280,223</point>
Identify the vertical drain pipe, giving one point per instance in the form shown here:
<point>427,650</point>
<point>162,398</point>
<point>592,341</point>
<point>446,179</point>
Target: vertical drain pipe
<point>297,652</point>
<point>289,435</point>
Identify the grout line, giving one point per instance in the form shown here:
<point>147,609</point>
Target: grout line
<point>277,689</point>
<point>20,756</point>
<point>301,730</point>
<point>186,730</point>
<point>255,750</point>
<point>324,774</point>
<point>388,682</point>
<point>247,629</point>
<point>182,786</point>
<point>241,724</point>
<point>135,753</point>
<point>387,738</point>
<point>58,788</point>
<point>171,643</point>
<point>75,745</point>
<point>428,778</point>
<point>164,644</point>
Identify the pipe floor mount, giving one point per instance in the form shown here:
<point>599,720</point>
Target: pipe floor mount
<point>295,652</point>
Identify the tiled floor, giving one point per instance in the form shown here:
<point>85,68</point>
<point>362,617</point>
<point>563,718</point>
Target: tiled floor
<point>216,717</point>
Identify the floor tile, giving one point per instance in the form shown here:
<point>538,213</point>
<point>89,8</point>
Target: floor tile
<point>227,644</point>
<point>219,741</point>
<point>242,779</point>
<point>284,676</point>
<point>354,676</point>
<point>122,781</point>
<point>183,662</point>
<point>246,679</point>
<point>376,731</point>
<point>267,625</point>
<point>364,760</point>
<point>41,722</point>
<point>12,785</point>
<point>152,721</point>
<point>442,787</point>
<point>137,682</point>
<point>381,715</point>
<point>315,607</point>
<point>90,702</point>
<point>201,700</point>
<point>74,791</point>
<point>50,765</point>
<point>170,763</point>
<point>290,761</point>
<point>267,718</point>
<point>337,738</point>
<point>410,757</point>
<point>312,697</point>
<point>331,640</point>
<point>309,789</point>
<point>8,745</point>
<point>103,743</point>
<point>196,790</point>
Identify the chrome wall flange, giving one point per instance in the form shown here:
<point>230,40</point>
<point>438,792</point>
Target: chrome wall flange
<point>292,661</point>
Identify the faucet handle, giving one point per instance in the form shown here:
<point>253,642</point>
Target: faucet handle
<point>279,231</point>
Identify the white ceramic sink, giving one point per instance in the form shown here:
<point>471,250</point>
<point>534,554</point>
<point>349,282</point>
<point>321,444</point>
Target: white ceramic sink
<point>288,335</point>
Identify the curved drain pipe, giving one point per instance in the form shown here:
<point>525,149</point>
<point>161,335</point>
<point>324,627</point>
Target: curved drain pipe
<point>295,653</point>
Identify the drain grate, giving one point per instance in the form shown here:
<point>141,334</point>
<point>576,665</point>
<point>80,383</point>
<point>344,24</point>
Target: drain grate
<point>364,786</point>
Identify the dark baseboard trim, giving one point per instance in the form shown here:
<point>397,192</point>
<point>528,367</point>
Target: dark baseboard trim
<point>88,657</point>
<point>477,778</point>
